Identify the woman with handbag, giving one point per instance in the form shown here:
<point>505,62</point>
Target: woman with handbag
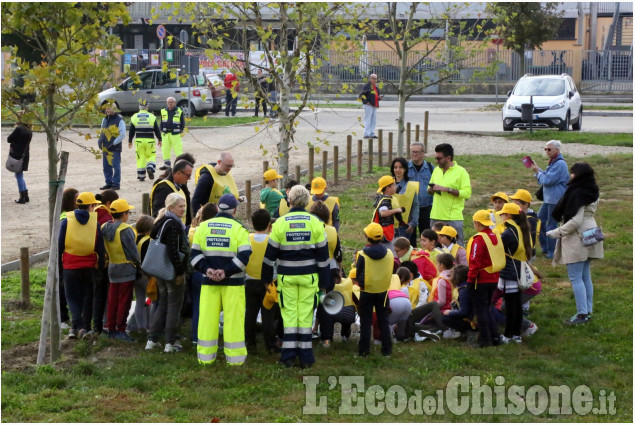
<point>18,161</point>
<point>517,244</point>
<point>169,231</point>
<point>577,210</point>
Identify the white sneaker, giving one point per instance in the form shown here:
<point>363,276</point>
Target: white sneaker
<point>337,332</point>
<point>419,338</point>
<point>532,329</point>
<point>517,339</point>
<point>64,326</point>
<point>150,345</point>
<point>173,348</point>
<point>451,334</point>
<point>505,340</point>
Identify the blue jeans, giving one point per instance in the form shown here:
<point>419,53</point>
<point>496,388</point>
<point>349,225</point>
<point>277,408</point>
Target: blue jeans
<point>21,183</point>
<point>580,277</point>
<point>370,119</point>
<point>112,169</point>
<point>548,245</point>
<point>230,103</point>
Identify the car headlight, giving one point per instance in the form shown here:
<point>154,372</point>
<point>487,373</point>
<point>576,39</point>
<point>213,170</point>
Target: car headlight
<point>510,106</point>
<point>558,105</point>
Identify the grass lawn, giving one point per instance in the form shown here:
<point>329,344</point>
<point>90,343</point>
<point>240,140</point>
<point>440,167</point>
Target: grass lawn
<point>112,381</point>
<point>608,107</point>
<point>604,139</point>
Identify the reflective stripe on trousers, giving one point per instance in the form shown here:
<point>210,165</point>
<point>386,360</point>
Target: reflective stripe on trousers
<point>298,293</point>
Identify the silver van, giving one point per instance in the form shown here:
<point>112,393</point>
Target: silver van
<point>156,86</point>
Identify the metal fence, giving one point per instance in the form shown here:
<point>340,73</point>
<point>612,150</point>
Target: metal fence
<point>607,70</point>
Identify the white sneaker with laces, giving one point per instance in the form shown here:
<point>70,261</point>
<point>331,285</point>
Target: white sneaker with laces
<point>451,334</point>
<point>173,348</point>
<point>517,339</point>
<point>150,345</point>
<point>530,330</point>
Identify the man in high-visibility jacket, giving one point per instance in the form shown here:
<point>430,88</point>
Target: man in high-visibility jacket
<point>221,250</point>
<point>177,178</point>
<point>213,181</point>
<point>172,126</point>
<point>298,244</point>
<point>145,126</point>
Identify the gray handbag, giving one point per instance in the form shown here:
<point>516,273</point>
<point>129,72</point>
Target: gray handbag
<point>156,262</point>
<point>14,165</point>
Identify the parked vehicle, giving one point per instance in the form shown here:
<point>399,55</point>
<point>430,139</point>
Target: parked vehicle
<point>556,103</point>
<point>156,85</point>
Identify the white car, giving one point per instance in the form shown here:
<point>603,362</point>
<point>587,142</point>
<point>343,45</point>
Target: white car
<point>556,103</point>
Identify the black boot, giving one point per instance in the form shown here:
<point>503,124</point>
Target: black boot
<point>26,196</point>
<point>22,199</point>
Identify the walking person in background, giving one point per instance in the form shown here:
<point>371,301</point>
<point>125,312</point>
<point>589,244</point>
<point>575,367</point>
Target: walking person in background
<point>231,93</point>
<point>172,126</point>
<point>577,210</point>
<point>145,127</point>
<point>554,183</point>
<point>370,98</point>
<point>260,92</point>
<point>19,143</point>
<point>112,133</point>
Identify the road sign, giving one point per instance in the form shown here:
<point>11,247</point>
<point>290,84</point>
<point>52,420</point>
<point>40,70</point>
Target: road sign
<point>497,40</point>
<point>161,32</point>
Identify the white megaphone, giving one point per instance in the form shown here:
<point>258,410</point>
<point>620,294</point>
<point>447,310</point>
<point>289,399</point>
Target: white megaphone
<point>333,302</point>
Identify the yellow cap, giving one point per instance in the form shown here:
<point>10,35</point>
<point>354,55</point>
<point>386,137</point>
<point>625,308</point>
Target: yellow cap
<point>509,208</point>
<point>374,231</point>
<point>87,198</point>
<point>447,231</point>
<point>483,217</point>
<point>384,182</point>
<point>271,175</point>
<point>352,274</point>
<point>522,195</point>
<point>120,206</point>
<point>501,195</point>
<point>318,185</point>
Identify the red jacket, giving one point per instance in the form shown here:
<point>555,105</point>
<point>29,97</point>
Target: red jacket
<point>231,82</point>
<point>427,269</point>
<point>479,259</point>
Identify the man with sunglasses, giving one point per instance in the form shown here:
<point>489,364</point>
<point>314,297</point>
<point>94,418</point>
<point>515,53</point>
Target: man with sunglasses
<point>174,182</point>
<point>554,183</point>
<point>213,181</point>
<point>450,186</point>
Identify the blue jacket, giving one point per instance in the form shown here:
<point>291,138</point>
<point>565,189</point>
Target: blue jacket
<point>112,144</point>
<point>554,180</point>
<point>423,177</point>
<point>466,310</point>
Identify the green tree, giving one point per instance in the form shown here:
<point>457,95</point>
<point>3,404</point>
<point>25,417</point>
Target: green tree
<point>292,39</point>
<point>76,57</point>
<point>524,25</point>
<point>430,50</point>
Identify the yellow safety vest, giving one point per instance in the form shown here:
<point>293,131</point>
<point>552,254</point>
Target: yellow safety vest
<point>80,238</point>
<point>114,247</point>
<point>534,240</point>
<point>141,242</point>
<point>176,121</point>
<point>144,124</point>
<point>222,184</point>
<point>283,208</point>
<point>395,283</point>
<point>345,287</point>
<point>378,273</point>
<point>496,252</point>
<point>330,203</point>
<point>520,253</point>
<point>174,189</point>
<point>331,238</point>
<point>499,224</point>
<point>413,292</point>
<point>405,200</point>
<point>254,267</point>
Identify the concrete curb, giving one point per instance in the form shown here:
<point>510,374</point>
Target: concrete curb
<point>15,265</point>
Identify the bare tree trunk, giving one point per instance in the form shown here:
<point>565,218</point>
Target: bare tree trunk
<point>401,92</point>
<point>51,138</point>
<point>51,310</point>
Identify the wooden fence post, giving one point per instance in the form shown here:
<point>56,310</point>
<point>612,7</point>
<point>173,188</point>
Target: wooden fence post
<point>408,139</point>
<point>336,164</point>
<point>370,155</point>
<point>390,141</point>
<point>359,157</point>
<point>145,203</point>
<point>325,163</point>
<point>25,301</point>
<point>349,154</point>
<point>311,163</point>
<point>265,167</point>
<point>425,132</point>
<point>380,148</point>
<point>298,173</point>
<point>248,200</point>
<point>417,131</point>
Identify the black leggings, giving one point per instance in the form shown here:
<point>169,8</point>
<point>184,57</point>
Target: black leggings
<point>514,315</point>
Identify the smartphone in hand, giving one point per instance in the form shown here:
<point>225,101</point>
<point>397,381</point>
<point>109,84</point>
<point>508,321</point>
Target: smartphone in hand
<point>528,161</point>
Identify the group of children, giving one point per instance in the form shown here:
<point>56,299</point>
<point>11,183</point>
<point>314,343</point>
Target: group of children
<point>401,292</point>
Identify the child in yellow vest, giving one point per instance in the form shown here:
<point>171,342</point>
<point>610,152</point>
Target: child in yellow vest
<point>255,288</point>
<point>387,207</point>
<point>498,200</point>
<point>141,309</point>
<point>270,196</point>
<point>447,239</point>
<point>430,244</point>
<point>123,270</point>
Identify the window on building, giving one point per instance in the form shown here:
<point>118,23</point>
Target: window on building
<point>566,30</point>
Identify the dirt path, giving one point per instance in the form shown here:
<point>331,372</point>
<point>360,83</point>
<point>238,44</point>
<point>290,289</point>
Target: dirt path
<point>26,225</point>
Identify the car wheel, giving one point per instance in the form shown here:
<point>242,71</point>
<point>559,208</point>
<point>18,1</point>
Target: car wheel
<point>505,128</point>
<point>578,124</point>
<point>188,109</point>
<point>565,124</point>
